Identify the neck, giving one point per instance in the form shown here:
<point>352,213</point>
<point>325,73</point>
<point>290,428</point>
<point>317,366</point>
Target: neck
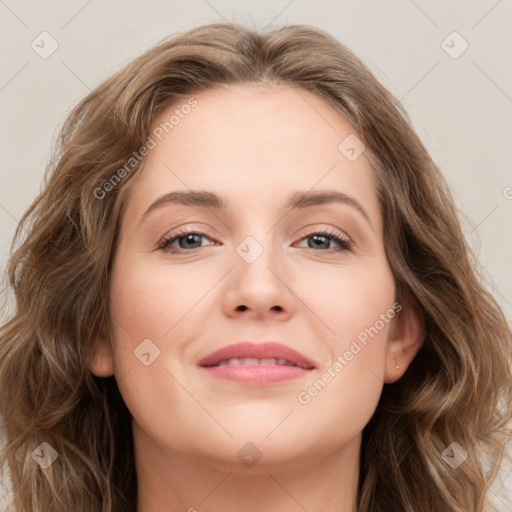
<point>180,482</point>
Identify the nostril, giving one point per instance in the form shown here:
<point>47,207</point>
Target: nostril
<point>243,308</point>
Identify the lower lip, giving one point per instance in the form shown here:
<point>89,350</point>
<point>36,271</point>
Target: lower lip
<point>257,375</point>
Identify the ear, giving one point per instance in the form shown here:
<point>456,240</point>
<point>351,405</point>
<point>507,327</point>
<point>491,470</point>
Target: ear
<point>101,361</point>
<point>406,337</point>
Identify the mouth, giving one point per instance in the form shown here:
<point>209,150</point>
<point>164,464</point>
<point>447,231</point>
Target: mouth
<point>257,363</point>
<point>252,361</point>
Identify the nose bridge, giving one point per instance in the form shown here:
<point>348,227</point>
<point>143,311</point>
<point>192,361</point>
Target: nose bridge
<point>259,277</point>
<point>256,255</point>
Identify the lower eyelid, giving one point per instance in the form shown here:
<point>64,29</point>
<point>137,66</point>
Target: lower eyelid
<point>167,241</point>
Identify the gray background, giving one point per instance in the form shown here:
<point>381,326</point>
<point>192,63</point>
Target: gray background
<point>460,103</point>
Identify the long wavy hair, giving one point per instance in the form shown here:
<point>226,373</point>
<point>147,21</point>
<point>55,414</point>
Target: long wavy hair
<point>458,387</point>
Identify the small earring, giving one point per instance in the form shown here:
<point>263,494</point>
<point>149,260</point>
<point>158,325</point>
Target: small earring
<point>397,365</point>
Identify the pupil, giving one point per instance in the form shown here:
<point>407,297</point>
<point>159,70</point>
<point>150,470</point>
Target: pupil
<point>322,239</point>
<point>191,238</point>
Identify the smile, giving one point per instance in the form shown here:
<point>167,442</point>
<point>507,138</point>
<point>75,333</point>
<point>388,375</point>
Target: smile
<point>251,361</point>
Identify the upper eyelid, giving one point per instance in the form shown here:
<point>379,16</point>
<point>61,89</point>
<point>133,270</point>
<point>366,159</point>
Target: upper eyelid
<point>309,231</point>
<point>329,230</point>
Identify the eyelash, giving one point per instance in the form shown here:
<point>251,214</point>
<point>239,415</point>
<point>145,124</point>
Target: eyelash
<point>343,244</point>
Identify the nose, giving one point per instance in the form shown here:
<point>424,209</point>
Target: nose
<point>260,289</point>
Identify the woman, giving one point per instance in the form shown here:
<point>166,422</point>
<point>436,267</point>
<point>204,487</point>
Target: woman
<point>245,287</point>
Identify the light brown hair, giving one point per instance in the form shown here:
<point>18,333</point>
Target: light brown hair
<point>458,388</point>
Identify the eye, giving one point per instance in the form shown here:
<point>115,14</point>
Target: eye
<point>322,240</point>
<point>190,241</point>
<point>187,241</point>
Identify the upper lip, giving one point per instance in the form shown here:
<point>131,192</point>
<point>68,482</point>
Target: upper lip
<point>266,350</point>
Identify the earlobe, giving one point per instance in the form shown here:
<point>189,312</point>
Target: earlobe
<point>101,361</point>
<point>406,337</point>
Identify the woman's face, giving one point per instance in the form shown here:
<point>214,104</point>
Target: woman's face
<point>286,168</point>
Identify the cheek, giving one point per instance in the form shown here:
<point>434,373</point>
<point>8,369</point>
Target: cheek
<point>149,300</point>
<point>348,299</point>
<point>160,303</point>
<point>152,307</point>
<point>357,305</point>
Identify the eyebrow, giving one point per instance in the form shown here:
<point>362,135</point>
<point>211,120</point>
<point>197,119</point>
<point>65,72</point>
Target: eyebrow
<point>297,200</point>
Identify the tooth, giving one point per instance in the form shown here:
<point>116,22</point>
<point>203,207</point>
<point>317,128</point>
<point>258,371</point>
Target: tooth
<point>250,361</point>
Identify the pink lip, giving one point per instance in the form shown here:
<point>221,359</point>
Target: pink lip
<point>261,374</point>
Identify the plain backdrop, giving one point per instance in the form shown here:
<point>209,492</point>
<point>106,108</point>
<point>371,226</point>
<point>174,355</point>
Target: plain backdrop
<point>448,62</point>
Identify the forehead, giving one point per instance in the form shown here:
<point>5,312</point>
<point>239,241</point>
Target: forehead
<point>263,120</point>
<point>253,143</point>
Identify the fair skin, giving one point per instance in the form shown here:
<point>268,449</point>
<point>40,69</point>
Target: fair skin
<point>254,146</point>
